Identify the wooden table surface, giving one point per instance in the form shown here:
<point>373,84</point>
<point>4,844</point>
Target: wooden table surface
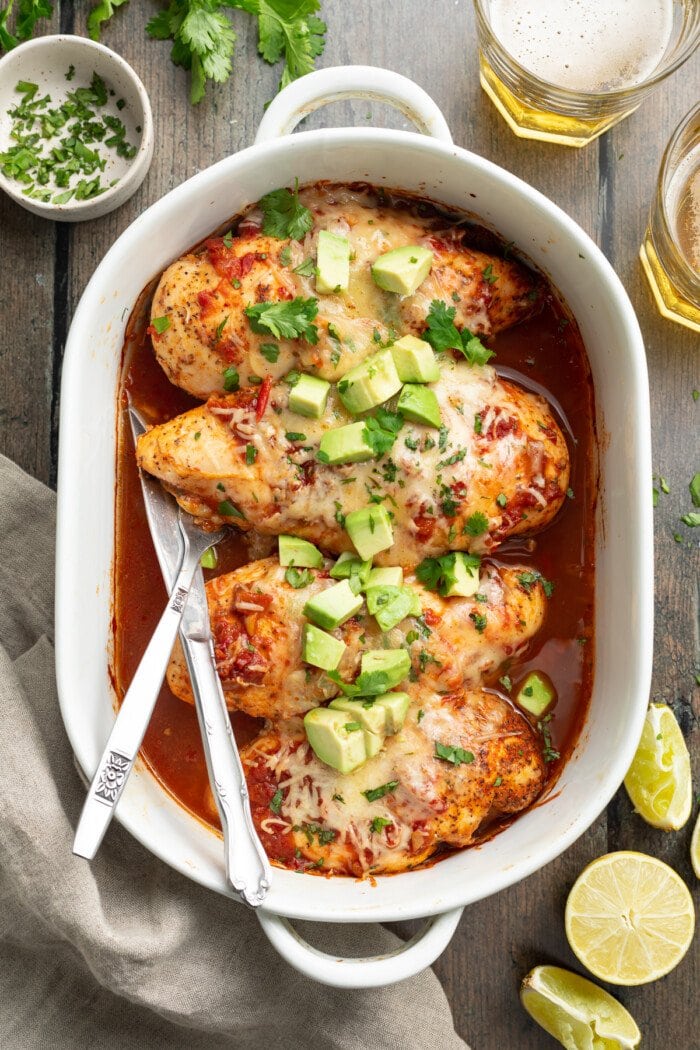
<point>607,188</point>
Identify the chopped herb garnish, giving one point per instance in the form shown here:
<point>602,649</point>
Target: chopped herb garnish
<point>456,457</point>
<point>692,520</point>
<point>479,621</point>
<point>230,510</point>
<point>694,489</point>
<point>250,454</point>
<point>287,319</point>
<point>489,276</point>
<point>478,424</point>
<point>276,801</point>
<point>306,269</point>
<point>442,334</point>
<point>421,715</point>
<point>549,753</point>
<point>220,329</point>
<point>381,430</point>
<point>352,727</point>
<point>380,822</point>
<point>501,499</point>
<point>161,324</point>
<point>507,682</point>
<point>231,379</point>
<point>476,524</point>
<point>286,255</point>
<point>372,794</point>
<point>228,239</point>
<point>456,755</point>
<point>294,435</point>
<point>270,352</point>
<point>284,214</point>
<point>527,581</point>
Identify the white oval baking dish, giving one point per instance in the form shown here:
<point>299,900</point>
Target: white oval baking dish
<point>432,165</point>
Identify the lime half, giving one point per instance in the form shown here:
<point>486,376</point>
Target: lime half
<point>629,918</point>
<point>577,1012</point>
<point>659,781</point>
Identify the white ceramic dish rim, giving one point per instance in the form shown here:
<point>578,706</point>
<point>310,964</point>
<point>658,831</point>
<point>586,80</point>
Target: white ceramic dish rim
<point>115,196</point>
<point>444,887</point>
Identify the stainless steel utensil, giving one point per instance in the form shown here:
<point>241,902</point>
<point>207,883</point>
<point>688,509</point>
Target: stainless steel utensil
<point>247,867</point>
<point>137,706</point>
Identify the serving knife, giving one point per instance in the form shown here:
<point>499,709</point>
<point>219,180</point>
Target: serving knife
<point>247,867</point>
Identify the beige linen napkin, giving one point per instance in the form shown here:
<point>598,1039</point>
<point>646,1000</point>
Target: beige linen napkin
<point>125,953</point>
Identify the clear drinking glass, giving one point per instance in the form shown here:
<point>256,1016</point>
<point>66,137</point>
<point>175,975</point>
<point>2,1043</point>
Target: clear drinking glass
<point>566,70</point>
<point>670,252</point>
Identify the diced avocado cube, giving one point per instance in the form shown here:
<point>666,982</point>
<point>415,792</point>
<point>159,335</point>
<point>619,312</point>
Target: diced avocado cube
<point>415,361</point>
<point>331,742</point>
<point>420,405</point>
<point>370,383</point>
<point>295,551</point>
<point>372,718</point>
<point>332,263</point>
<point>395,663</point>
<point>308,396</point>
<point>349,565</point>
<point>320,649</point>
<point>536,694</point>
<point>402,270</point>
<point>344,445</point>
<point>396,707</point>
<point>389,576</point>
<point>370,530</point>
<point>389,605</point>
<point>466,576</point>
<point>332,607</point>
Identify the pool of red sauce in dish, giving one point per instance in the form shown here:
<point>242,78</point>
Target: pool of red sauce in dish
<point>545,354</point>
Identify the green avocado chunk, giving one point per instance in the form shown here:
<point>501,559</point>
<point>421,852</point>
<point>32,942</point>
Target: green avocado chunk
<point>420,405</point>
<point>536,694</point>
<point>390,605</point>
<point>332,607</point>
<point>308,396</point>
<point>395,663</point>
<point>402,270</point>
<point>415,361</point>
<point>396,707</point>
<point>350,567</point>
<point>387,576</point>
<point>466,576</point>
<point>344,445</point>
<point>332,742</point>
<point>370,383</point>
<point>320,649</point>
<point>371,718</point>
<point>370,530</point>
<point>332,263</point>
<point>295,551</point>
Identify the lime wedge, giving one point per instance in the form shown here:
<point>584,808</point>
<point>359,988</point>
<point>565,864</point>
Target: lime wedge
<point>629,918</point>
<point>658,781</point>
<point>695,848</point>
<point>577,1012</point>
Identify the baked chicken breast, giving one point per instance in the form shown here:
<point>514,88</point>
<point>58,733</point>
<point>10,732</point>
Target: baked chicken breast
<point>201,298</point>
<point>498,467</point>
<point>400,806</point>
<point>257,621</point>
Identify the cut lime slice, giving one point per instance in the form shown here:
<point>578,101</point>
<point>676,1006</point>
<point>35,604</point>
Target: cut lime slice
<point>577,1012</point>
<point>659,781</point>
<point>629,918</point>
<point>695,848</point>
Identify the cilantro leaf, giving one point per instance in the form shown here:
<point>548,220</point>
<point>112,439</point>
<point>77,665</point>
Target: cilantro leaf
<point>438,574</point>
<point>443,334</point>
<point>276,801</point>
<point>527,580</point>
<point>203,40</point>
<point>306,269</point>
<point>372,794</point>
<point>476,524</point>
<point>694,488</point>
<point>101,12</point>
<point>380,822</point>
<point>289,30</point>
<point>368,683</point>
<point>284,215</point>
<point>381,430</point>
<point>287,319</point>
<point>298,578</point>
<point>456,755</point>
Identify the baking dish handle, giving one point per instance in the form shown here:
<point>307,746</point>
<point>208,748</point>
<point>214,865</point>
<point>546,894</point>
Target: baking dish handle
<point>371,972</point>
<point>303,96</point>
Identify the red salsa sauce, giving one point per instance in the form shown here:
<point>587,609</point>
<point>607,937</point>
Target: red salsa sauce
<point>544,354</point>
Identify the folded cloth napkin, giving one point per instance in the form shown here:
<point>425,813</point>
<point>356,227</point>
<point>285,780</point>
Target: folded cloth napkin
<point>124,952</point>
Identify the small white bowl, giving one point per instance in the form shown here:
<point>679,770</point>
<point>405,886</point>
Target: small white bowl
<point>45,61</point>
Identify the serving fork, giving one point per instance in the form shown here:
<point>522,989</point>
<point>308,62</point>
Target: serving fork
<point>247,867</point>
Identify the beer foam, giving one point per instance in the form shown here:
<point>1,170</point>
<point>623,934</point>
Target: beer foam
<point>585,45</point>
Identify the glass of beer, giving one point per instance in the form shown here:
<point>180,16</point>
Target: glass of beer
<point>670,253</point>
<point>566,70</point>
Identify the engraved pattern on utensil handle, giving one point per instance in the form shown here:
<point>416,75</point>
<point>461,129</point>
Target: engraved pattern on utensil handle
<point>247,867</point>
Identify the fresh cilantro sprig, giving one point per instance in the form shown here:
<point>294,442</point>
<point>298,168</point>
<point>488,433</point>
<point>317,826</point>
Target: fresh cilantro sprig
<point>381,431</point>
<point>287,319</point>
<point>289,30</point>
<point>527,581</point>
<point>101,12</point>
<point>203,40</point>
<point>284,214</point>
<point>438,574</point>
<point>456,755</point>
<point>28,14</point>
<point>368,683</point>
<point>443,334</point>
